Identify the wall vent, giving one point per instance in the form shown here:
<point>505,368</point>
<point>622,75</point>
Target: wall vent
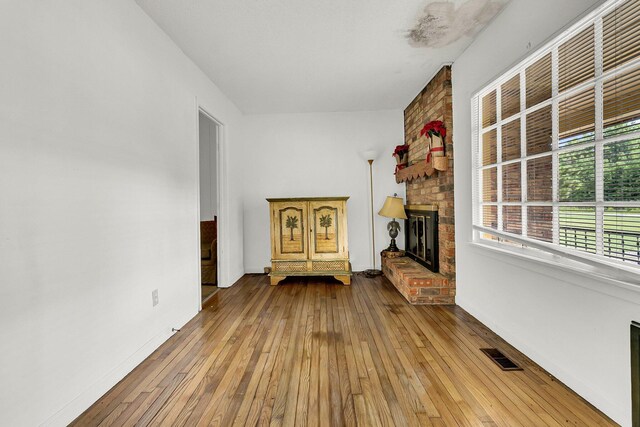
<point>500,359</point>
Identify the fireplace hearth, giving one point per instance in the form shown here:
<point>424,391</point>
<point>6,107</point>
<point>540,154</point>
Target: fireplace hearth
<point>421,235</point>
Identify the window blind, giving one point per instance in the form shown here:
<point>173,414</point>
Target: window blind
<point>621,94</point>
<point>557,142</point>
<point>576,59</point>
<point>511,140</point>
<point>489,109</point>
<point>510,91</point>
<point>620,34</point>
<point>538,78</point>
<point>539,137</point>
<point>576,115</point>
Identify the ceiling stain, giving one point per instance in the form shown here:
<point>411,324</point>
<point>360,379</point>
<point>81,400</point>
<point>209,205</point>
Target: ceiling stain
<point>442,23</point>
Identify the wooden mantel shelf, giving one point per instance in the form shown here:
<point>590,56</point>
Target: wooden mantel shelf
<point>421,169</point>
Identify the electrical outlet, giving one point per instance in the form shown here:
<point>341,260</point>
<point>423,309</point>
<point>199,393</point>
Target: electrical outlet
<point>154,297</point>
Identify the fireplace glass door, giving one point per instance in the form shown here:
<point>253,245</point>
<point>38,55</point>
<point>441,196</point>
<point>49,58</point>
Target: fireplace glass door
<point>421,236</point>
<point>417,236</point>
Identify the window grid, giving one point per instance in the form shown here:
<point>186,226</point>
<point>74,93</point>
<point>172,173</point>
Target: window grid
<point>555,136</point>
<point>499,216</point>
<point>476,191</point>
<point>568,209</point>
<point>523,150</point>
<point>599,148</point>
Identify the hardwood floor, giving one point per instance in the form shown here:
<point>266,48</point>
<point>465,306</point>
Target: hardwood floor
<point>312,352</point>
<point>207,290</point>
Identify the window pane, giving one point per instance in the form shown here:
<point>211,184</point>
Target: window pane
<point>621,34</point>
<point>490,216</point>
<point>622,103</point>
<point>512,219</point>
<point>490,185</point>
<point>489,148</point>
<point>539,176</point>
<point>621,238</point>
<point>577,118</point>
<point>622,171</point>
<point>539,222</point>
<point>511,185</point>
<point>576,60</point>
<point>511,140</point>
<point>577,228</point>
<point>489,109</point>
<point>511,97</point>
<point>539,131</point>
<point>577,176</point>
<point>538,77</point>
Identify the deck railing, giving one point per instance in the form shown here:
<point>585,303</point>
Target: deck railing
<point>617,244</point>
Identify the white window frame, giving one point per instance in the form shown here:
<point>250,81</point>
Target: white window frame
<point>535,249</point>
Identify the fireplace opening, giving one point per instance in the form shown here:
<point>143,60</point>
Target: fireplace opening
<point>421,235</point>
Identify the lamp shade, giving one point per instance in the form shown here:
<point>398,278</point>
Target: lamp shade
<point>393,208</point>
<point>369,154</point>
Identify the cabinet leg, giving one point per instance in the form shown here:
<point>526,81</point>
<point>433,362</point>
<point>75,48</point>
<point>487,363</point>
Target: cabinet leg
<point>276,279</point>
<point>345,279</point>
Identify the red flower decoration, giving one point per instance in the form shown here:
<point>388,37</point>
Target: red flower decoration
<point>400,150</point>
<point>435,127</point>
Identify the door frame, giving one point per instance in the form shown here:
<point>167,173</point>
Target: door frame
<point>221,205</point>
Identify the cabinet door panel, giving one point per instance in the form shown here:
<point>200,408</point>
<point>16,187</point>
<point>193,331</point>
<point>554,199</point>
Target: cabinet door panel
<point>289,230</point>
<point>328,230</point>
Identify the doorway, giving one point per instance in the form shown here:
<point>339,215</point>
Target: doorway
<point>208,136</point>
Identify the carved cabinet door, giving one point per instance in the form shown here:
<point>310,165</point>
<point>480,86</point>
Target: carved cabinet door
<point>290,231</point>
<point>328,230</point>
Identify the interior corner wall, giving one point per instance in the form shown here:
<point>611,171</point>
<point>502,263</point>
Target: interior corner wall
<point>98,199</point>
<point>575,327</point>
<point>313,155</point>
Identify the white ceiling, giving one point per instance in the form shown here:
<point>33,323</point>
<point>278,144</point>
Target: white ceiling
<point>274,56</point>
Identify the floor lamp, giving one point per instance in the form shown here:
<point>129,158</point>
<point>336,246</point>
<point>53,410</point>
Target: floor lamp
<point>370,156</point>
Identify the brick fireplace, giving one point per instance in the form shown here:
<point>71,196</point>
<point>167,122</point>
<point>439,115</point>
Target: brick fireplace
<point>429,189</point>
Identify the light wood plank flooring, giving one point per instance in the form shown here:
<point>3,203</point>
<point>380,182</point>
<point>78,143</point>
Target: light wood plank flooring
<point>314,352</point>
<point>206,291</point>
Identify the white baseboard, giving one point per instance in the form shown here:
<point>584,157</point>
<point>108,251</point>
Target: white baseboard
<point>96,390</point>
<point>612,409</point>
<point>254,270</point>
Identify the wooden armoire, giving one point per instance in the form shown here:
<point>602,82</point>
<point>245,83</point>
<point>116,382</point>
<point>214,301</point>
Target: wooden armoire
<point>309,238</point>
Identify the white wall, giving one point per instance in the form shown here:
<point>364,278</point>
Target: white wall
<point>298,155</point>
<point>576,327</point>
<point>208,170</point>
<point>98,199</point>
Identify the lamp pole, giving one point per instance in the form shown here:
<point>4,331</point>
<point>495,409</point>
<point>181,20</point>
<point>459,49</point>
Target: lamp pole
<point>370,155</point>
<point>373,228</point>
